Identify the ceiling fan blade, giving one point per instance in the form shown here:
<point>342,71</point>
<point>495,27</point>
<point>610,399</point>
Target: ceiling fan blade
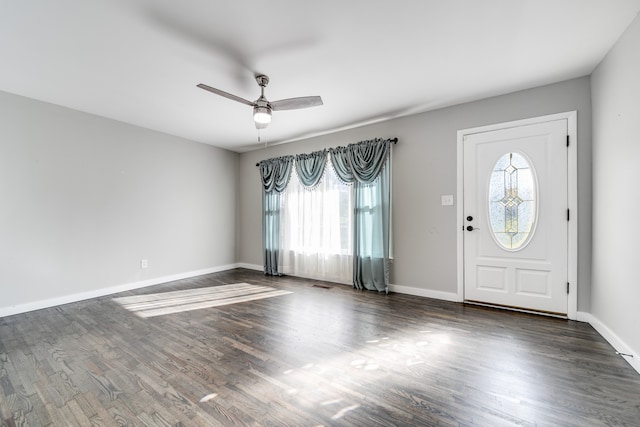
<point>226,94</point>
<point>296,103</point>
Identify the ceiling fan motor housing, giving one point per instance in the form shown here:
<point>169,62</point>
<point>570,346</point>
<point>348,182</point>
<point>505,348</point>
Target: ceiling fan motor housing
<point>262,111</point>
<point>262,108</point>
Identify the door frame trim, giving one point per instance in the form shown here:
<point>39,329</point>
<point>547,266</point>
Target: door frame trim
<point>572,192</point>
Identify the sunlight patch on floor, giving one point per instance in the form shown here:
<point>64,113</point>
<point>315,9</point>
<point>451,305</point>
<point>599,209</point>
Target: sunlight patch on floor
<point>159,304</point>
<point>343,411</point>
<point>208,397</point>
<point>332,385</point>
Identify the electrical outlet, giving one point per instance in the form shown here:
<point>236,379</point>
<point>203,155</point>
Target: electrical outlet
<point>446,199</point>
<point>144,263</point>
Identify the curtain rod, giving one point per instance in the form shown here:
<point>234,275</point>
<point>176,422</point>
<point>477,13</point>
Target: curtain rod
<point>394,140</point>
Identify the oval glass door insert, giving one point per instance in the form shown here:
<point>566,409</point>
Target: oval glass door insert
<point>513,194</point>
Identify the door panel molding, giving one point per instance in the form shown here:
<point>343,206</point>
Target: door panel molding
<point>572,161</point>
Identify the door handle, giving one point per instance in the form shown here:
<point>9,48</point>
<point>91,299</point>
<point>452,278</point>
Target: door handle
<point>471,228</point>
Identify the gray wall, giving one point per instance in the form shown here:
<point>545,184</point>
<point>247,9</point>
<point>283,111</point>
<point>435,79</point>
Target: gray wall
<point>425,168</point>
<point>84,198</point>
<point>616,153</point>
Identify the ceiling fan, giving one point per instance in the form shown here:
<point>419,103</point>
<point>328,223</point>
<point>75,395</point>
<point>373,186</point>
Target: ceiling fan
<point>262,107</point>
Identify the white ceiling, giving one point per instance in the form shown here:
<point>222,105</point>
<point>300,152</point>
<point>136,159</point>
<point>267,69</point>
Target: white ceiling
<point>138,61</point>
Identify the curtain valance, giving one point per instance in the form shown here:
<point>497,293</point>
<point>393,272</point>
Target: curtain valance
<point>310,167</point>
<point>275,173</point>
<point>361,162</point>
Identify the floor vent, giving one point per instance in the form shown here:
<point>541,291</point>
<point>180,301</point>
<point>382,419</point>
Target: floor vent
<point>322,286</point>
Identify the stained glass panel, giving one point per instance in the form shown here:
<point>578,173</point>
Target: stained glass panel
<point>512,201</point>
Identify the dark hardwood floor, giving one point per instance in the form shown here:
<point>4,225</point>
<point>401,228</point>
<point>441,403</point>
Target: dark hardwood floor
<point>322,354</point>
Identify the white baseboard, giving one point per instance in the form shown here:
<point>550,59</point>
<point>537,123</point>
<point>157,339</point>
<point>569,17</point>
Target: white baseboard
<point>66,299</point>
<point>582,316</point>
<point>618,344</point>
<point>427,293</point>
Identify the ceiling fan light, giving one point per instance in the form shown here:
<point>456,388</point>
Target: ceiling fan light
<point>260,125</point>
<point>262,115</point>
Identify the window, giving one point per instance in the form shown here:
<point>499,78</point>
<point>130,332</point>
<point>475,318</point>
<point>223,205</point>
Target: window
<point>333,231</point>
<point>512,201</point>
<point>317,229</point>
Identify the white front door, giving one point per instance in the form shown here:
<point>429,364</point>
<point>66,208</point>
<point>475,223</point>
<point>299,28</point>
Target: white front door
<point>515,217</point>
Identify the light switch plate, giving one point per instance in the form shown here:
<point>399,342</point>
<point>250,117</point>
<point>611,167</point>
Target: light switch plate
<point>447,199</point>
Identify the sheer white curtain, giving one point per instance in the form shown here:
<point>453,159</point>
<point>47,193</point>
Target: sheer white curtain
<point>317,229</point>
